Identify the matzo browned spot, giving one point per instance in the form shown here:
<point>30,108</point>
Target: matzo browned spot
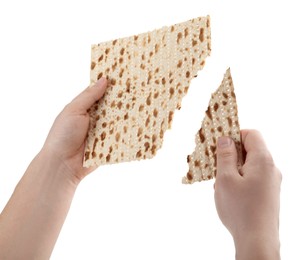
<point>148,76</point>
<point>221,119</point>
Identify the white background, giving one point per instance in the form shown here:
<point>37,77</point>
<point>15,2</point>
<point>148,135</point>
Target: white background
<point>141,210</point>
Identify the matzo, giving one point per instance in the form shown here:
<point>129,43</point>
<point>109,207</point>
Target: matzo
<point>221,119</point>
<point>148,76</point>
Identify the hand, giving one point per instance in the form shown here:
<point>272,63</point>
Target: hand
<point>66,139</point>
<point>248,203</point>
<point>35,213</point>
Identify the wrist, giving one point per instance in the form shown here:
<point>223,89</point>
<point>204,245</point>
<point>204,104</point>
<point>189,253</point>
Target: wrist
<point>52,166</point>
<point>258,245</point>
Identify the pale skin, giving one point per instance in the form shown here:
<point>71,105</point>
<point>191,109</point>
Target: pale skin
<point>32,219</point>
<point>248,202</point>
<point>30,223</point>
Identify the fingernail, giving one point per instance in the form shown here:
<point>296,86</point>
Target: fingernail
<point>224,141</point>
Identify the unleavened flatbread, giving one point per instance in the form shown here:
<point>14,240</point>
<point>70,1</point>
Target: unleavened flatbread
<point>148,76</point>
<point>221,119</point>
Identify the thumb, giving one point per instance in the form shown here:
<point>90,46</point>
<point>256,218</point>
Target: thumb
<point>89,96</point>
<point>226,157</point>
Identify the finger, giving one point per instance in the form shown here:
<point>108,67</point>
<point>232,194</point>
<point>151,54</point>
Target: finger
<point>226,157</point>
<point>254,144</point>
<point>256,152</point>
<point>89,96</point>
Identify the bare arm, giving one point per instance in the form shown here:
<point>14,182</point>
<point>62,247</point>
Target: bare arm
<point>248,204</point>
<point>32,219</point>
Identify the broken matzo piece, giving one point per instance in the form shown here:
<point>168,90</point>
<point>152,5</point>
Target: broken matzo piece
<point>221,119</point>
<point>148,75</point>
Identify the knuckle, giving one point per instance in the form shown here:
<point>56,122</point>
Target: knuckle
<point>225,153</point>
<point>67,108</point>
<point>279,175</point>
<point>255,132</point>
<point>265,158</point>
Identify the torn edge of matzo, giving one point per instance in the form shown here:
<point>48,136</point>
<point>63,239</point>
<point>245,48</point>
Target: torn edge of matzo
<point>221,119</point>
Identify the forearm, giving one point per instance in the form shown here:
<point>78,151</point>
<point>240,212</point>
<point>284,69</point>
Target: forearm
<point>258,246</point>
<point>34,215</point>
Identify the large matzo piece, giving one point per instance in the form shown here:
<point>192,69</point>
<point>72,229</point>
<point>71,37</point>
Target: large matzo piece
<point>148,76</point>
<point>221,119</point>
